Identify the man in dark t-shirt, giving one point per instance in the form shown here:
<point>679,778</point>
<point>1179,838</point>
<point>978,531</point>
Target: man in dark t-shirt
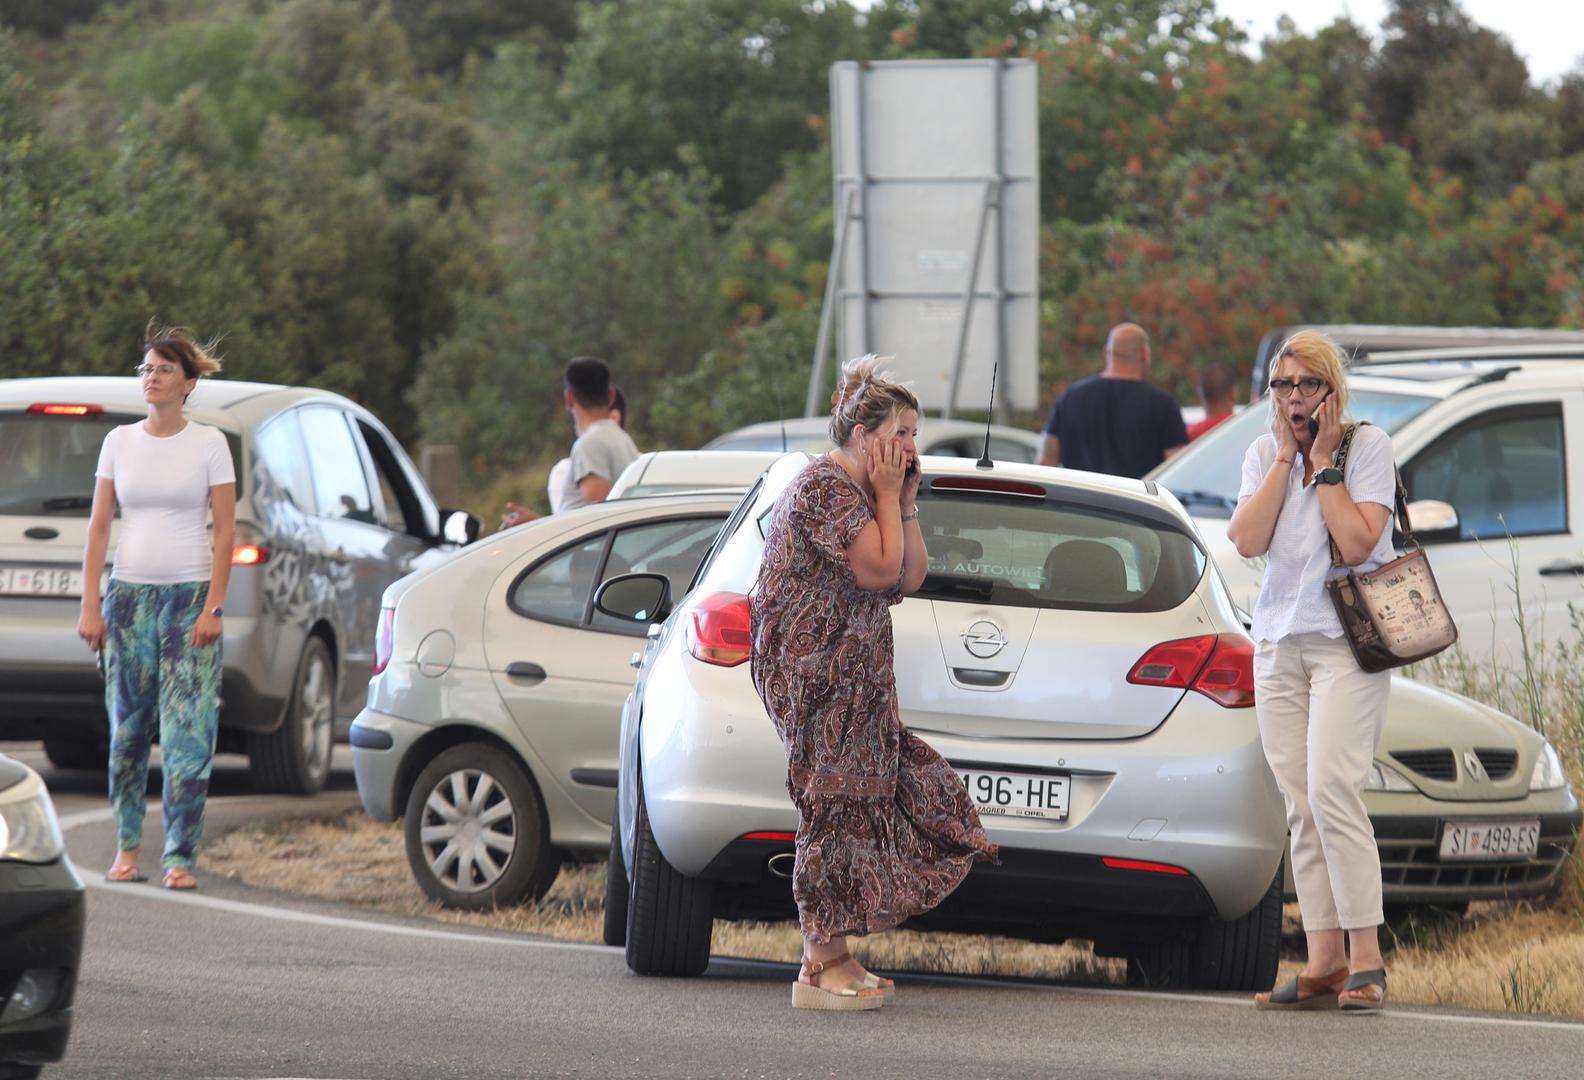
<point>1115,422</point>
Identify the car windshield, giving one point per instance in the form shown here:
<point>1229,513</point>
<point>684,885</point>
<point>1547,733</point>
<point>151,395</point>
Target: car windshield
<point>814,443</point>
<point>1050,553</point>
<point>48,462</point>
<point>1206,476</point>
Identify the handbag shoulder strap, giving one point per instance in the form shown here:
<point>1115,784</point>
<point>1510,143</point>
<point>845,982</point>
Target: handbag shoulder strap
<point>1401,496</point>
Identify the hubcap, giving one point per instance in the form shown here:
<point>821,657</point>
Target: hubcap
<point>468,831</point>
<point>318,714</point>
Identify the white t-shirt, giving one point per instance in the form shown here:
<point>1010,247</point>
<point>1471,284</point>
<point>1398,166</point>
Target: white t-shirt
<point>557,484</point>
<point>162,487</point>
<point>1293,597</point>
<point>603,450</point>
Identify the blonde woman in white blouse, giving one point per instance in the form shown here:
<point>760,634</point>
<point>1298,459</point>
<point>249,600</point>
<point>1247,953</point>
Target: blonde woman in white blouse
<point>1320,714</point>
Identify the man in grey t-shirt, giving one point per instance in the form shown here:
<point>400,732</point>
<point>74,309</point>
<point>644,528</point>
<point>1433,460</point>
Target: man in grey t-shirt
<point>602,449</point>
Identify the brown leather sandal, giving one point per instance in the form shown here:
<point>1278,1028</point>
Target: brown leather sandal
<point>1305,992</point>
<point>853,995</point>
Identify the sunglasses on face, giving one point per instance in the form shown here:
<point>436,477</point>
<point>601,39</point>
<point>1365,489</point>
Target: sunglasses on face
<point>1309,386</point>
<point>164,371</point>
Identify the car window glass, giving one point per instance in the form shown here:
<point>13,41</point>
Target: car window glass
<point>340,484</point>
<point>672,548</point>
<point>394,491</point>
<point>48,462</point>
<point>279,449</point>
<point>1008,450</point>
<point>1025,553</point>
<point>1213,463</point>
<point>558,589</point>
<point>1503,473</point>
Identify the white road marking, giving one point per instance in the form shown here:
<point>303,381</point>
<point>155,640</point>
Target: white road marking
<point>240,907</point>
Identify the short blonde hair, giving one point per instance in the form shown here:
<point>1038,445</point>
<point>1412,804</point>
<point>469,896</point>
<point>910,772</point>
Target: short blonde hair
<point>868,396</point>
<point>1321,355</point>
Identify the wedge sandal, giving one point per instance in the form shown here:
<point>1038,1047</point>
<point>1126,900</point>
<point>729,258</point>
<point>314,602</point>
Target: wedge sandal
<point>856,995</point>
<point>1305,993</point>
<point>1375,977</point>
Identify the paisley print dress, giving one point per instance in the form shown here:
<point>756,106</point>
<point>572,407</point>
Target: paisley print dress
<point>886,829</point>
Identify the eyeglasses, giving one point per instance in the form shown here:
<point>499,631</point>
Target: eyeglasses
<point>143,371</point>
<point>1308,385</point>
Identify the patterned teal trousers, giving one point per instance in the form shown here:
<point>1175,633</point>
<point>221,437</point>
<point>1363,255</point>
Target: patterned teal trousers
<point>156,680</point>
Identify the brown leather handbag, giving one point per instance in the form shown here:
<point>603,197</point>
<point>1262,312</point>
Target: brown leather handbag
<point>1393,615</point>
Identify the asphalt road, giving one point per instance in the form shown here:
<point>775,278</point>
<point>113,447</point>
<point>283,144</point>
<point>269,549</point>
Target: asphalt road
<point>237,982</point>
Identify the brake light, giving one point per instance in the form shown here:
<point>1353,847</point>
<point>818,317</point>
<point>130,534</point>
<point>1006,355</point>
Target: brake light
<point>980,483</point>
<point>1147,867</point>
<point>1219,666</point>
<point>384,639</point>
<point>717,632</point>
<point>44,408</point>
<point>784,837</point>
<point>248,554</point>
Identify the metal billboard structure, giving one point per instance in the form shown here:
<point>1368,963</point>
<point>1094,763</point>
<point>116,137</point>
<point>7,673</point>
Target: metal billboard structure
<point>935,259</point>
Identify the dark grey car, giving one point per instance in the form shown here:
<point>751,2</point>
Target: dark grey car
<point>330,511</point>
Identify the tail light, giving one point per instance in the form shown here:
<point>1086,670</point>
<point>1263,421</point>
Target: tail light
<point>61,408</point>
<point>248,554</point>
<point>384,639</point>
<point>717,632</point>
<point>1219,666</point>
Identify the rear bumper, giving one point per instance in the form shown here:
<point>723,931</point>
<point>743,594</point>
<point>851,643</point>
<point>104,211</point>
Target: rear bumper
<point>41,930</point>
<point>380,743</point>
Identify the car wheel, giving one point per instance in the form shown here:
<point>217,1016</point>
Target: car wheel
<point>616,889</point>
<point>475,829</point>
<point>669,917</point>
<point>295,758</point>
<point>74,754</point>
<point>1236,954</point>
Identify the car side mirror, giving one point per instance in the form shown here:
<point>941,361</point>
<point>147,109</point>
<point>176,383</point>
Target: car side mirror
<point>637,598</point>
<point>458,527</point>
<point>1433,521</point>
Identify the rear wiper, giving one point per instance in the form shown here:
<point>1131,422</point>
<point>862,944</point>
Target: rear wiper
<point>1211,498</point>
<point>968,588</point>
<point>69,502</point>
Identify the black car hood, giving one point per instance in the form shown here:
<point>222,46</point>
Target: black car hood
<point>11,772</point>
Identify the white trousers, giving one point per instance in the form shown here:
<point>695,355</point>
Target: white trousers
<point>1320,720</point>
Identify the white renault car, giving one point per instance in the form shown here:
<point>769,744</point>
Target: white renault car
<point>1069,651</point>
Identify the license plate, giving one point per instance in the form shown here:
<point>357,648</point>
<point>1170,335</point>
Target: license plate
<point>1462,840</point>
<point>40,581</point>
<point>1020,795</point>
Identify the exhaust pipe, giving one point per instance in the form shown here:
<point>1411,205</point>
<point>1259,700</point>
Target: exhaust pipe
<point>781,864</point>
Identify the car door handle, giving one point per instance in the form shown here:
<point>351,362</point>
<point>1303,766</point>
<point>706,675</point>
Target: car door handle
<point>1557,568</point>
<point>522,669</point>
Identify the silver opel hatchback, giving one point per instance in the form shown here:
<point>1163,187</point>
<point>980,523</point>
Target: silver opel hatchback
<point>1072,652</point>
<point>329,511</point>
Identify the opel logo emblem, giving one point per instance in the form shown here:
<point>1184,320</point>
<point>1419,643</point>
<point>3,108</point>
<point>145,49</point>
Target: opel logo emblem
<point>984,639</point>
<point>1472,764</point>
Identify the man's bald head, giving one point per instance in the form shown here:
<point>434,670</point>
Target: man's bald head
<point>1127,349</point>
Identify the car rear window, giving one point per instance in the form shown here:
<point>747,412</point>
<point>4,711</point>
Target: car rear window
<point>1049,553</point>
<point>47,462</point>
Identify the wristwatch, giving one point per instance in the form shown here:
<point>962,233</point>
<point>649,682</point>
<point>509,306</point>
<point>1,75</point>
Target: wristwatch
<point>1328,475</point>
<point>217,612</point>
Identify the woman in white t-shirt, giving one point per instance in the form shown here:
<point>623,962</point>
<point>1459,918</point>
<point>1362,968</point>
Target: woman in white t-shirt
<point>158,627</point>
<point>1320,714</point>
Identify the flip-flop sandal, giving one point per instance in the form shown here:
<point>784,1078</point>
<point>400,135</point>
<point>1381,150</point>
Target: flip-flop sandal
<point>1357,981</point>
<point>180,879</point>
<point>1303,993</point>
<point>135,876</point>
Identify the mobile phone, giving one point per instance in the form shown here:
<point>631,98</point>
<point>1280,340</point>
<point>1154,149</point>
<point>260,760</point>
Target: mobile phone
<point>1314,425</point>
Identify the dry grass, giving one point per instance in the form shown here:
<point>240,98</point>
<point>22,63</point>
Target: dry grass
<point>1519,957</point>
<point>372,872</point>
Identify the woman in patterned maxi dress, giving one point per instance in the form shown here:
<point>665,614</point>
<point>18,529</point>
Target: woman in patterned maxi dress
<point>886,829</point>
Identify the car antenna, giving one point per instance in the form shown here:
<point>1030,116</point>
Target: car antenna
<point>984,461</point>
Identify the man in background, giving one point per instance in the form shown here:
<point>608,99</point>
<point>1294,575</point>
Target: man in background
<point>1218,395</point>
<point>1115,422</point>
<point>601,451</point>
